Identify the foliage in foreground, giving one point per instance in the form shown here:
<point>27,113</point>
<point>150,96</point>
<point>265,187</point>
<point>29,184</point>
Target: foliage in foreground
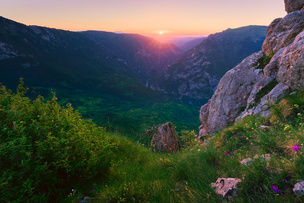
<point>141,176</point>
<point>46,149</point>
<point>137,174</point>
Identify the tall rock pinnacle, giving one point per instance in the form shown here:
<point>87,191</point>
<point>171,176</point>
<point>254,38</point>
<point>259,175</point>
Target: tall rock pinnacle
<point>293,5</point>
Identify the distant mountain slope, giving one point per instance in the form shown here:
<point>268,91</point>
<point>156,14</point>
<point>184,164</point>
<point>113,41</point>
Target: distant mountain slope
<point>102,74</point>
<point>194,76</point>
<point>45,56</point>
<point>186,43</point>
<point>191,44</point>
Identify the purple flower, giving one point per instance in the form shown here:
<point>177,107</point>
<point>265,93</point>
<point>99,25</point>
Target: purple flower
<point>226,153</point>
<point>278,137</point>
<point>285,181</point>
<point>267,168</point>
<point>296,148</point>
<point>276,189</point>
<point>92,190</point>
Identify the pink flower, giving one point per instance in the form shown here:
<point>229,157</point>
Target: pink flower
<point>296,148</point>
<point>226,153</point>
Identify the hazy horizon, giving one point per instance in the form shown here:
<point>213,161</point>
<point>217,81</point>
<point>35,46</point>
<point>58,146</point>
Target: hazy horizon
<point>158,19</point>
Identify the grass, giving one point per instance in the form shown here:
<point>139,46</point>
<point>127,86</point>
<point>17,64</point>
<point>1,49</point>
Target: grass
<point>142,176</point>
<point>263,61</point>
<point>136,174</point>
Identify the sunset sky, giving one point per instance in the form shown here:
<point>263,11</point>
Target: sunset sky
<point>148,17</point>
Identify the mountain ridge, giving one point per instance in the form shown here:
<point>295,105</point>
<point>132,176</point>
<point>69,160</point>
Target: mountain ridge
<point>193,76</point>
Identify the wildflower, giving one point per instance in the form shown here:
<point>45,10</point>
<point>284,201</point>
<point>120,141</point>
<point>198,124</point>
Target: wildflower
<point>285,181</point>
<point>276,189</point>
<point>226,153</point>
<point>278,137</point>
<point>267,168</point>
<point>246,138</point>
<point>296,148</point>
<point>296,105</point>
<point>92,190</point>
<point>288,136</point>
<point>199,150</point>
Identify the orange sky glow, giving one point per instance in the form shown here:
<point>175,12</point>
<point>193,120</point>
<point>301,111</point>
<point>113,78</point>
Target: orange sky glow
<point>171,17</point>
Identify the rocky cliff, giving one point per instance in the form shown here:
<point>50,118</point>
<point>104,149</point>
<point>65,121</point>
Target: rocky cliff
<point>262,78</point>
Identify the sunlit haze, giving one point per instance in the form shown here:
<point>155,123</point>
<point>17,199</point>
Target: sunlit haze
<point>158,18</point>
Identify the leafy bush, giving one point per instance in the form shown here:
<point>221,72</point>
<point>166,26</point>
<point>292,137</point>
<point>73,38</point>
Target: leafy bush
<point>46,149</point>
<point>189,138</point>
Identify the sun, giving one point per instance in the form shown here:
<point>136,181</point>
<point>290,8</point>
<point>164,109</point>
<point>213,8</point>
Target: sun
<point>161,32</point>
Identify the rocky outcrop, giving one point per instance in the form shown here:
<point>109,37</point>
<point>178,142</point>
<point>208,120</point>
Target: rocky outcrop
<point>251,87</point>
<point>165,139</point>
<point>282,32</point>
<point>231,95</point>
<point>293,5</point>
<point>291,68</point>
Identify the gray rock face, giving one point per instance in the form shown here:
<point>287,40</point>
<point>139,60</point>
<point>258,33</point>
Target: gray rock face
<point>291,68</point>
<point>282,32</point>
<point>226,187</point>
<point>165,139</point>
<point>293,5</point>
<point>299,188</point>
<point>231,95</point>
<point>263,108</point>
<point>245,90</point>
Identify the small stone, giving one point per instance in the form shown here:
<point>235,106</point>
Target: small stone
<point>264,157</point>
<point>299,188</point>
<point>84,199</point>
<point>263,127</point>
<point>226,187</point>
<point>246,161</point>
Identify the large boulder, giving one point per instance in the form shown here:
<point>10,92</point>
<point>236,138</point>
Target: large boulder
<point>231,95</point>
<point>165,139</point>
<point>282,32</point>
<point>293,5</point>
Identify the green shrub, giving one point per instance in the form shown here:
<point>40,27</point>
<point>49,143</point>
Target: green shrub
<point>188,138</point>
<point>263,61</point>
<point>46,150</point>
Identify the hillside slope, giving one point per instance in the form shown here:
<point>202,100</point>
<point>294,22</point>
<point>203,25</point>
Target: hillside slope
<point>45,56</point>
<point>102,74</point>
<point>193,77</point>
